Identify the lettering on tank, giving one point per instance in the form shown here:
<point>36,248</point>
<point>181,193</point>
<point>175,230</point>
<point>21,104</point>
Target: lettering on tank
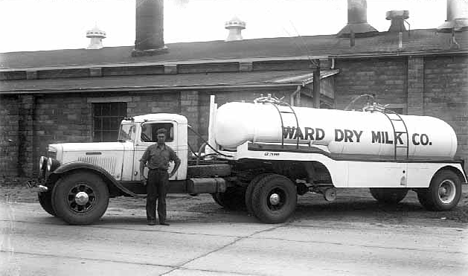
<point>308,133</point>
<point>356,136</point>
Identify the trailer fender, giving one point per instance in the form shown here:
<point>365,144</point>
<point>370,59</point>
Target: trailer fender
<point>460,172</point>
<point>111,182</point>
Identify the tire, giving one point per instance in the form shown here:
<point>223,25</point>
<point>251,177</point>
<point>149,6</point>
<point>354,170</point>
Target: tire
<point>45,199</point>
<point>87,209</point>
<point>232,199</point>
<point>388,195</point>
<point>443,193</point>
<point>274,199</point>
<point>249,191</point>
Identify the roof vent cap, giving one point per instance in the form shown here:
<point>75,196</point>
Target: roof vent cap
<point>398,18</point>
<point>96,35</point>
<point>235,27</point>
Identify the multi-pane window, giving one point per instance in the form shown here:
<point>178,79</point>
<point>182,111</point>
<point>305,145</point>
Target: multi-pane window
<point>106,120</point>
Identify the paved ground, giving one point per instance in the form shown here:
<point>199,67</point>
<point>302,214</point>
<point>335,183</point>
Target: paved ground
<point>351,236</point>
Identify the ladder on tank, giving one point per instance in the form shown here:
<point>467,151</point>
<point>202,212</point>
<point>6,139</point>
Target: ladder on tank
<point>281,114</point>
<point>278,103</point>
<point>399,128</point>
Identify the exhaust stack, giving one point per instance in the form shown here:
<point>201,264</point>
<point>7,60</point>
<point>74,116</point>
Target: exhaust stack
<point>357,21</point>
<point>457,17</point>
<point>149,28</point>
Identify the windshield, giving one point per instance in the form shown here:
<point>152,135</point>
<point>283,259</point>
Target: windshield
<point>126,132</point>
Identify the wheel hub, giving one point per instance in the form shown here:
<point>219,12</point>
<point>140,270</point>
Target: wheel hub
<point>447,191</point>
<point>81,198</point>
<point>275,199</point>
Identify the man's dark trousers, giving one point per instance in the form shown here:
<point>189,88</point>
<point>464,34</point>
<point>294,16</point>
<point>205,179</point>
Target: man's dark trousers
<point>156,189</point>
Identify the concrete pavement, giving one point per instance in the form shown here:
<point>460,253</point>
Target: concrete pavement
<point>204,243</point>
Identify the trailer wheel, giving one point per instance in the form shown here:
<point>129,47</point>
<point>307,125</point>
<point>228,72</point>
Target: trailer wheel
<point>231,199</point>
<point>388,195</point>
<point>80,198</point>
<point>274,199</point>
<point>249,191</point>
<point>45,199</point>
<point>443,193</point>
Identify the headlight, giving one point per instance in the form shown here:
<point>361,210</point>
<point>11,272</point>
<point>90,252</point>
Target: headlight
<point>42,163</point>
<point>52,164</point>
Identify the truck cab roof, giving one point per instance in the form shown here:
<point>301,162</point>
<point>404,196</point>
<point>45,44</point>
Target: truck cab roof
<point>159,117</point>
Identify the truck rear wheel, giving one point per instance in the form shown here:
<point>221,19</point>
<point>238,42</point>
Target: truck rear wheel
<point>388,195</point>
<point>45,199</point>
<point>443,193</point>
<point>249,191</point>
<point>274,199</point>
<point>231,199</point>
<point>80,198</point>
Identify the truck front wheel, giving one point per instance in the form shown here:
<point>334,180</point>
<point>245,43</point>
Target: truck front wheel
<point>274,199</point>
<point>388,195</point>
<point>80,198</point>
<point>443,193</point>
<point>45,199</point>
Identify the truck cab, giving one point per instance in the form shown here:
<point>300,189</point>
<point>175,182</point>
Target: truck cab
<point>77,179</point>
<point>140,132</point>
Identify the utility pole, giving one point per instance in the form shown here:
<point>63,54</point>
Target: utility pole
<point>316,84</point>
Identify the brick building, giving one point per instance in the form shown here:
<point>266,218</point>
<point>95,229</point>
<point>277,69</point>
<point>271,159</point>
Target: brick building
<point>80,95</point>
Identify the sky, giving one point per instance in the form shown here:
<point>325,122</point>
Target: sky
<point>34,25</point>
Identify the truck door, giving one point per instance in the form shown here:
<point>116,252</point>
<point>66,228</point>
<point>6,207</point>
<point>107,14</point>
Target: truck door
<point>146,137</point>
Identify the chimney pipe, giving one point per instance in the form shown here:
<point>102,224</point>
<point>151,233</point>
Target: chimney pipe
<point>149,28</point>
<point>357,20</point>
<point>457,17</point>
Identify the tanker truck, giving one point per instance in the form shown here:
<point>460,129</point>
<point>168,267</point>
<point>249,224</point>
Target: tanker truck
<point>260,156</point>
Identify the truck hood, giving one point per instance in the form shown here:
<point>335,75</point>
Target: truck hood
<point>102,146</point>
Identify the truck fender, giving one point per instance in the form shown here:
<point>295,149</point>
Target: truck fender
<point>79,165</point>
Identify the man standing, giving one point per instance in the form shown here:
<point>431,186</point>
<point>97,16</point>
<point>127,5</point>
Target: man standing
<point>157,158</point>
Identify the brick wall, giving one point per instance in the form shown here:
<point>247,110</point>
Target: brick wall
<point>190,108</point>
<point>155,102</point>
<point>386,78</point>
<point>446,95</point>
<point>62,119</point>
<point>26,137</point>
<point>9,117</point>
<point>415,85</point>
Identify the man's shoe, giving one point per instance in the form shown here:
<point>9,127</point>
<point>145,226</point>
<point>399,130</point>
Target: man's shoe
<point>151,222</point>
<point>164,223</point>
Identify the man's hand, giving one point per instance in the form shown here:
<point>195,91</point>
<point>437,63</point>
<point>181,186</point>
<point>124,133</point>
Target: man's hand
<point>145,181</point>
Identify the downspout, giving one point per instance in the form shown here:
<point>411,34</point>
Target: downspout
<point>293,95</point>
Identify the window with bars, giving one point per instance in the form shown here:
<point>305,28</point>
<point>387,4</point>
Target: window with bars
<point>106,120</point>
